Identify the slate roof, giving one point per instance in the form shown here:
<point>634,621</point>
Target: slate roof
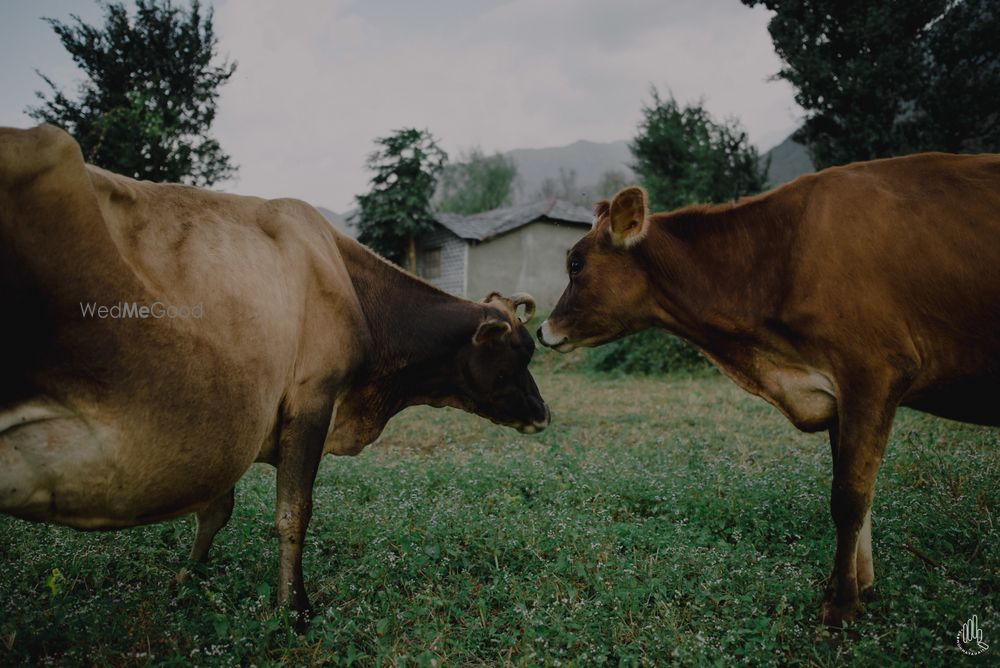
<point>488,224</point>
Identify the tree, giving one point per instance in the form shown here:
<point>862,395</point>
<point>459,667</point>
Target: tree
<point>565,188</point>
<point>397,209</point>
<point>150,95</point>
<point>887,77</point>
<point>610,183</point>
<point>683,156</point>
<point>479,182</point>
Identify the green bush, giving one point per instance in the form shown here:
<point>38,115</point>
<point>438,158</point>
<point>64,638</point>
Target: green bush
<point>648,352</point>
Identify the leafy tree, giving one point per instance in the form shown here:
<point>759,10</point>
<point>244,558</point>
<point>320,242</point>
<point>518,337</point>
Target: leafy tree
<point>397,209</point>
<point>887,77</point>
<point>564,188</point>
<point>150,95</point>
<point>549,188</point>
<point>683,156</point>
<point>479,182</point>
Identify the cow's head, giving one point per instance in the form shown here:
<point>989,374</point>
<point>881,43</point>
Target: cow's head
<point>606,296</point>
<point>492,377</point>
<point>478,363</point>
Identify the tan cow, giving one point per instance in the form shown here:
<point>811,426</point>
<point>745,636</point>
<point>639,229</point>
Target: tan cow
<point>159,339</point>
<point>836,298</point>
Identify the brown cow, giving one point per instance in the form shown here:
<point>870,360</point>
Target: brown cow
<point>837,298</point>
<point>159,339</point>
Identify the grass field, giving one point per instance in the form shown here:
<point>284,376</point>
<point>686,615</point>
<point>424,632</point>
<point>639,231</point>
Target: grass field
<point>657,520</point>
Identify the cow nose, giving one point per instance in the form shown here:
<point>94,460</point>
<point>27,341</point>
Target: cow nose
<point>539,419</point>
<point>548,417</point>
<point>546,337</point>
<point>542,421</point>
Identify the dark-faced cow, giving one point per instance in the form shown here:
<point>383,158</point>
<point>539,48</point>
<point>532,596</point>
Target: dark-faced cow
<point>159,339</point>
<point>837,298</point>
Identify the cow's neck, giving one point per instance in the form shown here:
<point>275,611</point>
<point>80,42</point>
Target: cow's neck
<point>716,272</point>
<point>413,331</point>
<point>409,321</point>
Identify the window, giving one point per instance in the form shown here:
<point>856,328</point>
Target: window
<point>432,263</point>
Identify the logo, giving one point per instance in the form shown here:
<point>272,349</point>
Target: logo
<point>970,638</point>
<point>125,310</point>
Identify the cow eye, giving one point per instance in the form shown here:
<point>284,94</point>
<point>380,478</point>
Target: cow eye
<point>575,265</point>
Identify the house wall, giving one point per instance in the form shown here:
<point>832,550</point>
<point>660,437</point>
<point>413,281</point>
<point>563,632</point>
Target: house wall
<point>453,254</point>
<point>530,259</point>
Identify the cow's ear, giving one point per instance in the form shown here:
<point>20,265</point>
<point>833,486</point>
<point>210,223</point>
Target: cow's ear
<point>629,215</point>
<point>492,329</point>
<point>601,209</point>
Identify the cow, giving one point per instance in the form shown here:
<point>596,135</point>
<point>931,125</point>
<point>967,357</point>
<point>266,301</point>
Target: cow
<point>247,330</point>
<point>836,298</point>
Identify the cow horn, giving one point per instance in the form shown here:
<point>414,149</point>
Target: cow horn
<point>529,304</point>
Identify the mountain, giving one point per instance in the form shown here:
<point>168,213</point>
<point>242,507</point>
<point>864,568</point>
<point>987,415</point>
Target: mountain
<point>589,160</point>
<point>789,159</point>
<point>544,170</point>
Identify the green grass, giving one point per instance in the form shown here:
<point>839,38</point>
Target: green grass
<point>657,520</point>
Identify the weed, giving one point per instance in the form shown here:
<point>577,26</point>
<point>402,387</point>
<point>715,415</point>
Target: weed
<point>658,520</point>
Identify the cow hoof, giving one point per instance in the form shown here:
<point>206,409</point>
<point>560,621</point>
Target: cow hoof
<point>867,594</point>
<point>836,615</point>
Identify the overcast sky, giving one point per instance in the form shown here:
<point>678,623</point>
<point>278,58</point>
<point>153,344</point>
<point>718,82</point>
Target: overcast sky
<point>319,80</point>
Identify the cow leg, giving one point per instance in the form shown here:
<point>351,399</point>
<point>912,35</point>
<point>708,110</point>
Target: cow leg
<point>834,440</point>
<point>864,422</point>
<point>301,448</point>
<point>215,516</point>
<point>864,563</point>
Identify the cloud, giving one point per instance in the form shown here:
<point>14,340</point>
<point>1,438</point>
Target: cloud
<point>319,81</point>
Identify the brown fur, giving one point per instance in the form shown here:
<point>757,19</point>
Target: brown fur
<point>308,343</point>
<point>837,298</point>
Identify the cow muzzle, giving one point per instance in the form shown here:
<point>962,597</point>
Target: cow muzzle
<point>550,339</point>
<point>537,425</point>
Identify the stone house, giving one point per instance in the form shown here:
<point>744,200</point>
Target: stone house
<point>515,249</point>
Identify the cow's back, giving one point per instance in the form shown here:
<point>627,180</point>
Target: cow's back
<point>903,255</point>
